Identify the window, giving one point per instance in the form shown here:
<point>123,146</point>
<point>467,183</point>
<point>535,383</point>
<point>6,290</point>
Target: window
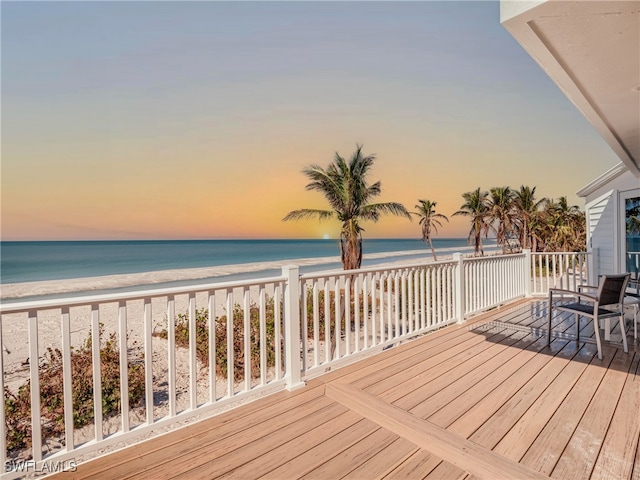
<point>632,236</point>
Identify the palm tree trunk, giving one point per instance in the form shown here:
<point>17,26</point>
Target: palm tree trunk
<point>433,252</point>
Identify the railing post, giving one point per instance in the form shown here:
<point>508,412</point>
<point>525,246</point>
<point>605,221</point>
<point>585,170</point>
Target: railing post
<point>459,286</point>
<point>527,272</point>
<point>592,261</point>
<point>293,365</point>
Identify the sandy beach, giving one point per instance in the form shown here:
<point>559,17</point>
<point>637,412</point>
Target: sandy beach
<point>14,291</point>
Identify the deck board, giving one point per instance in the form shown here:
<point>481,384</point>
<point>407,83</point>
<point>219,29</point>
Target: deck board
<point>488,389</point>
<point>386,460</point>
<point>289,450</point>
<point>545,451</point>
<point>417,466</point>
<point>323,452</point>
<point>235,444</point>
<point>515,390</point>
<point>616,456</point>
<point>577,460</point>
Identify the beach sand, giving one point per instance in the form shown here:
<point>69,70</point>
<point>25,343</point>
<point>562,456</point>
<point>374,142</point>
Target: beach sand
<point>11,291</point>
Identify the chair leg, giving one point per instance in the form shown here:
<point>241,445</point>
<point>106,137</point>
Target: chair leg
<point>625,345</point>
<point>596,327</point>
<point>636,310</point>
<point>577,329</point>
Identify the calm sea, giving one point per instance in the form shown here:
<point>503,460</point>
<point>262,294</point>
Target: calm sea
<point>34,261</point>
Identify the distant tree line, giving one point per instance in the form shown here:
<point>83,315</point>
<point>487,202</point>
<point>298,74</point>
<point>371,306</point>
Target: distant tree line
<point>516,218</point>
<point>519,220</point>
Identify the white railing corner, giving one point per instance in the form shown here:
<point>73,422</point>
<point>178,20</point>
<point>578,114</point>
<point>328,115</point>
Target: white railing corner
<point>293,363</point>
<point>459,287</point>
<point>528,266</point>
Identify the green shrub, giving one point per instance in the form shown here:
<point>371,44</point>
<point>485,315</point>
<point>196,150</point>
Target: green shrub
<point>202,338</point>
<point>18,404</point>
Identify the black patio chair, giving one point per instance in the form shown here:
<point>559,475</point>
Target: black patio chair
<point>609,293</point>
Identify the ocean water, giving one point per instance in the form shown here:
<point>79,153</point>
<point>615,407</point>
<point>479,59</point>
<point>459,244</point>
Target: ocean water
<point>35,261</point>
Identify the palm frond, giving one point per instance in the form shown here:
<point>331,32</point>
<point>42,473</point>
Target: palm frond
<point>392,208</point>
<point>309,213</point>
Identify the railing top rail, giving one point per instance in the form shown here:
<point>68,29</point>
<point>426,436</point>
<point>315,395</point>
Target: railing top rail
<point>18,306</point>
<point>559,253</point>
<point>381,268</point>
<point>493,257</point>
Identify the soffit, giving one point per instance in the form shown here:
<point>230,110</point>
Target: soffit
<point>591,49</point>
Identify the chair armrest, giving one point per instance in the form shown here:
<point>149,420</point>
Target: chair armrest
<point>573,293</point>
<point>587,287</point>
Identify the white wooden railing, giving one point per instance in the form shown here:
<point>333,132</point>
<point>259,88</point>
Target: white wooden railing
<point>284,330</point>
<point>232,319</point>
<point>558,270</point>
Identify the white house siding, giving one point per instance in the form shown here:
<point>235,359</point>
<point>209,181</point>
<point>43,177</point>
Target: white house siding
<point>604,219</point>
<point>601,215</point>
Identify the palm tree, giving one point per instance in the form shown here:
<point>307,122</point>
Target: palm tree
<point>527,213</point>
<point>344,185</point>
<point>475,207</point>
<point>564,226</point>
<point>501,215</point>
<point>430,220</point>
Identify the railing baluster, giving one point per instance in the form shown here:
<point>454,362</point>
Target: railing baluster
<point>171,353</point>
<point>423,313</point>
<point>338,322</point>
<point>410,300</point>
<point>211,325</point>
<point>379,281</point>
<point>327,322</point>
<point>36,428</point>
<point>246,308</point>
<point>97,373</point>
<point>365,311</point>
<point>403,283</point>
<point>230,352</point>
<point>356,306</point>
<point>304,330</point>
<point>316,324</point>
<point>193,350</point>
<point>124,367</point>
<point>347,316</point>
<point>148,361</point>
<point>278,331</point>
<point>263,337</point>
<point>374,305</point>
<point>390,331</point>
<point>67,380</point>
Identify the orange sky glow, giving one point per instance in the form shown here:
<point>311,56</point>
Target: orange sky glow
<point>115,127</point>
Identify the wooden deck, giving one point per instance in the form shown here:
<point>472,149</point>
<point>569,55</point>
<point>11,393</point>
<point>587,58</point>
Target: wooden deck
<point>466,402</point>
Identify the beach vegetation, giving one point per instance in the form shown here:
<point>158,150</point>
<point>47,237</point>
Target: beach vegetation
<point>18,404</point>
<point>182,336</point>
<point>430,220</point>
<point>345,185</point>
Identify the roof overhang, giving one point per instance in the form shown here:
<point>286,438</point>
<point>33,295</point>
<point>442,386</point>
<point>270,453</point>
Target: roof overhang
<point>591,50</point>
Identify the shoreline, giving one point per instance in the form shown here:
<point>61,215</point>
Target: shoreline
<point>18,291</point>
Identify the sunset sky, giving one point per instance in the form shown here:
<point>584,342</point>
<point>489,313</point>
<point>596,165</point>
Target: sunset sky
<point>170,120</point>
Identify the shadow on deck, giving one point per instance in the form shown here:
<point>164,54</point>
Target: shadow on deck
<point>487,399</point>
